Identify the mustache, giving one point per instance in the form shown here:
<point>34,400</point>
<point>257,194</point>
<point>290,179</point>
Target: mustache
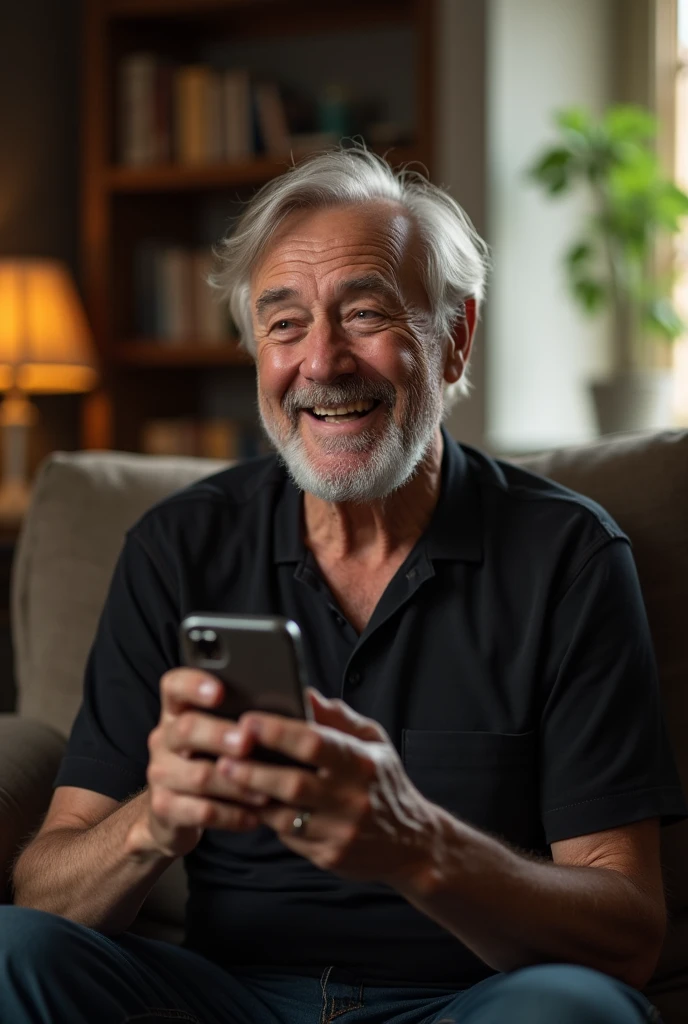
<point>358,389</point>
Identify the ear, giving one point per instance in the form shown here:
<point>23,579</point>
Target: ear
<point>459,347</point>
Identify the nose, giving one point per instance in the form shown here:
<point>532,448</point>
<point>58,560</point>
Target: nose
<point>326,354</point>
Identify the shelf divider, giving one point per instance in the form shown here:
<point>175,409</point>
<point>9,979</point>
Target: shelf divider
<point>152,352</point>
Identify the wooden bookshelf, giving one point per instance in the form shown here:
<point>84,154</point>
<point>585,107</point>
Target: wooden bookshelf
<point>173,178</point>
<point>283,16</point>
<point>168,8</point>
<point>122,206</point>
<point>144,352</point>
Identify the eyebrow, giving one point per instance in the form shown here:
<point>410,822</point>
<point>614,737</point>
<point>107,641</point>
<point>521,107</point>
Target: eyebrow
<point>365,283</point>
<point>273,297</point>
<point>368,283</point>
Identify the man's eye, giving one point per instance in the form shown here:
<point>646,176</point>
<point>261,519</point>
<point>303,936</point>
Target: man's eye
<point>282,325</point>
<point>366,314</point>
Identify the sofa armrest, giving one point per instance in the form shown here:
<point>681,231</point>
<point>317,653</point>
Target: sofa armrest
<point>30,754</point>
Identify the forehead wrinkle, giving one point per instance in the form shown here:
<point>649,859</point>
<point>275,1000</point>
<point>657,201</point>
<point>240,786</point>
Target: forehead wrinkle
<point>382,248</point>
<point>386,267</point>
<point>374,242</point>
<point>342,254</point>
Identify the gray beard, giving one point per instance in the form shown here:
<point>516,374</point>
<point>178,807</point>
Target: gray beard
<point>393,455</point>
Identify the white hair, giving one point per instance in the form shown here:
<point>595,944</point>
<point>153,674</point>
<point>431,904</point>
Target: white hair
<point>455,259</point>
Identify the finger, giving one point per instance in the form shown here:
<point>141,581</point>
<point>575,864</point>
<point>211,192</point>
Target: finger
<point>294,786</point>
<point>338,715</point>
<point>181,811</point>
<point>281,820</point>
<point>199,777</point>
<point>303,741</point>
<point>204,734</point>
<point>323,838</point>
<point>181,688</point>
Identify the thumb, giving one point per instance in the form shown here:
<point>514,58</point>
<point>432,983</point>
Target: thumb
<point>338,715</point>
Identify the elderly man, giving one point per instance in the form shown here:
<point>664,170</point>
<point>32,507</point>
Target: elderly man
<point>479,840</point>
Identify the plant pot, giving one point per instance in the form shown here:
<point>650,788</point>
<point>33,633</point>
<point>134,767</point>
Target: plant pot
<point>641,400</point>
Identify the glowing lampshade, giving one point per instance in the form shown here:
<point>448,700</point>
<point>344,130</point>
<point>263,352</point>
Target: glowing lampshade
<point>45,341</point>
<point>45,348</point>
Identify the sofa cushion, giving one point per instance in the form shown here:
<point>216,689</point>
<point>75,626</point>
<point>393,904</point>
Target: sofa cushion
<point>642,480</point>
<point>82,505</point>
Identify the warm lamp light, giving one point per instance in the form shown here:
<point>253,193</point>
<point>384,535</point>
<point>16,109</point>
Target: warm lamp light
<point>45,348</point>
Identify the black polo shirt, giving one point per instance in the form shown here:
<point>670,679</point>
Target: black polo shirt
<point>509,660</point>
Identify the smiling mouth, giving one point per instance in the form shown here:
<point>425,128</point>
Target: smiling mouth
<point>342,413</point>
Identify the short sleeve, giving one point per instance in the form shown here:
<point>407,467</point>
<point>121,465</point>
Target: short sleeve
<point>605,755</point>
<point>135,644</point>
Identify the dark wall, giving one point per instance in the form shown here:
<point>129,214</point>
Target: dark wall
<point>39,161</point>
<point>40,58</point>
<point>39,91</point>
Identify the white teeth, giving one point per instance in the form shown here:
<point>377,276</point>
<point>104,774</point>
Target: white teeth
<point>342,410</point>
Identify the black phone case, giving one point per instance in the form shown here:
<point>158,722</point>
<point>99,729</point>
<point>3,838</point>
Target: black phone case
<point>261,667</point>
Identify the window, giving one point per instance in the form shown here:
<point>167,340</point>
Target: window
<point>681,150</point>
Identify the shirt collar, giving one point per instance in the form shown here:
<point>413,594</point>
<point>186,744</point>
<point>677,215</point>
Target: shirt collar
<point>287,527</point>
<point>454,531</point>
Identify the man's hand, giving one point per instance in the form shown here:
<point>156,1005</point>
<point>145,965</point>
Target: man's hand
<point>367,820</point>
<point>187,793</point>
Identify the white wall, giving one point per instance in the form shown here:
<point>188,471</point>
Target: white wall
<point>540,351</point>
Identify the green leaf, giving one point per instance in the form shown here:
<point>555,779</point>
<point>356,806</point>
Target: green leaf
<point>578,254</point>
<point>574,119</point>
<point>590,294</point>
<point>636,176</point>
<point>661,317</point>
<point>670,206</point>
<point>553,170</point>
<point>629,123</point>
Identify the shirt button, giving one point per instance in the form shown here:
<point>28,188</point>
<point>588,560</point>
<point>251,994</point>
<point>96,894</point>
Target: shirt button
<point>339,620</point>
<point>354,678</point>
<point>411,574</point>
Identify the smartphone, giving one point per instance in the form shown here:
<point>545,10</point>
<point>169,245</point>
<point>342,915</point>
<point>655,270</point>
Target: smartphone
<point>258,658</point>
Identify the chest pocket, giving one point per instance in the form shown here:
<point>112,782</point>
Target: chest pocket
<point>489,780</point>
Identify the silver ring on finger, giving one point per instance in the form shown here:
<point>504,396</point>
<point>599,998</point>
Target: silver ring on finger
<point>298,825</point>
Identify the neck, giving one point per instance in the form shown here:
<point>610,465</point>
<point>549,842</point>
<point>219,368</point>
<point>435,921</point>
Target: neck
<point>377,530</point>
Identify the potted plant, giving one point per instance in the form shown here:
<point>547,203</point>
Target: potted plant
<point>610,266</point>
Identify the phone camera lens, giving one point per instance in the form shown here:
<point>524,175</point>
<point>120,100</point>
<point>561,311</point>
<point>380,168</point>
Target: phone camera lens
<point>207,643</point>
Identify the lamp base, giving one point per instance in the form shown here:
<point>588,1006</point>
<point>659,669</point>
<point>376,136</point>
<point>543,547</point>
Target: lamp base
<point>14,501</point>
<point>16,416</point>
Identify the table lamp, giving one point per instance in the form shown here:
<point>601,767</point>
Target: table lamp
<point>45,348</point>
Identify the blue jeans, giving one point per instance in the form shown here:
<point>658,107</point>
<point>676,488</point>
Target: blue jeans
<point>53,971</point>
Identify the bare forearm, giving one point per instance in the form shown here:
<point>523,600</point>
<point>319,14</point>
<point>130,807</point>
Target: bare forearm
<point>97,876</point>
<point>513,911</point>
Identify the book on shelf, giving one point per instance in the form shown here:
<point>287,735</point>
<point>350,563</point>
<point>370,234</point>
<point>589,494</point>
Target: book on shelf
<point>163,106</point>
<point>174,284</point>
<point>272,120</point>
<point>236,115</point>
<point>146,312</point>
<point>137,90</point>
<point>173,301</point>
<point>198,130</point>
<point>211,322</point>
<point>196,115</point>
<point>216,438</point>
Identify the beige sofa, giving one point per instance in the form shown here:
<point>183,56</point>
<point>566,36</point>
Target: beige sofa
<point>83,503</point>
